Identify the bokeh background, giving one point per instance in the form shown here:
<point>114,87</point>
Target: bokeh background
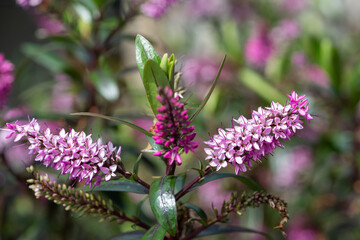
<point>79,55</point>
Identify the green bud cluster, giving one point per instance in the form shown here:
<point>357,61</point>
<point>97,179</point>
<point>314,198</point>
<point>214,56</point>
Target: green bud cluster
<point>73,199</point>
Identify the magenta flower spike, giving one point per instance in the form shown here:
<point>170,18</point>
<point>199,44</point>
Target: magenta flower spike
<point>71,152</point>
<point>172,129</point>
<point>252,139</point>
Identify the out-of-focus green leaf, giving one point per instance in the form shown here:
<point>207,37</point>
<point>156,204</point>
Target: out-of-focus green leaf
<point>144,51</point>
<point>122,185</point>
<point>202,105</point>
<point>44,57</point>
<point>105,85</point>
<point>214,176</point>
<point>163,204</point>
<point>198,210</point>
<point>129,124</point>
<point>220,229</point>
<point>153,78</point>
<point>134,235</point>
<point>259,85</point>
<point>331,63</point>
<point>231,39</point>
<point>156,232</point>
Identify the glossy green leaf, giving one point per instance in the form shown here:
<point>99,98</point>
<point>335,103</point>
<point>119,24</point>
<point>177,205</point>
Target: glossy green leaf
<point>153,78</point>
<point>260,86</point>
<point>202,105</point>
<point>156,232</point>
<point>220,229</point>
<point>214,176</point>
<point>129,124</point>
<point>163,204</point>
<point>198,210</point>
<point>134,235</point>
<point>144,51</point>
<point>122,185</point>
<point>164,62</point>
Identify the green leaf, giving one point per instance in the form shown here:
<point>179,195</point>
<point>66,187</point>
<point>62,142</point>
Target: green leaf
<point>214,176</point>
<point>163,204</point>
<point>134,235</point>
<point>164,62</point>
<point>144,51</point>
<point>156,232</point>
<point>105,85</point>
<point>156,147</point>
<point>220,229</point>
<point>136,165</point>
<point>129,124</point>
<point>122,185</point>
<point>198,211</point>
<point>202,105</point>
<point>154,77</point>
<point>257,84</point>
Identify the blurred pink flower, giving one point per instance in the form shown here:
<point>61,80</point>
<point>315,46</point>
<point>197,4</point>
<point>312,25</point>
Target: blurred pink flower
<point>259,47</point>
<point>215,194</point>
<point>286,30</point>
<point>299,230</point>
<point>62,100</point>
<point>49,25</point>
<point>201,71</point>
<point>206,8</point>
<point>310,71</point>
<point>28,3</point>
<point>6,79</point>
<point>156,8</point>
<point>299,160</point>
<point>294,5</point>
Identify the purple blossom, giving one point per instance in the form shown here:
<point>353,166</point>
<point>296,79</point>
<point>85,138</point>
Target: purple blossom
<point>310,71</point>
<point>156,8</point>
<point>49,25</point>
<point>259,47</point>
<point>286,30</point>
<point>172,129</point>
<point>28,3</point>
<point>207,8</point>
<point>6,79</point>
<point>252,139</point>
<point>71,152</point>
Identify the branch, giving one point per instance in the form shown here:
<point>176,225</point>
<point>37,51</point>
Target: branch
<point>186,189</point>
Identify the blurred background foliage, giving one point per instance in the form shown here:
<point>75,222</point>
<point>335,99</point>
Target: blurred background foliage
<point>79,56</point>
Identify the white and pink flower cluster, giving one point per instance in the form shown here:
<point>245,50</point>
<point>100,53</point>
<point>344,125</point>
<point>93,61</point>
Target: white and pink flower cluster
<point>254,138</point>
<point>71,152</point>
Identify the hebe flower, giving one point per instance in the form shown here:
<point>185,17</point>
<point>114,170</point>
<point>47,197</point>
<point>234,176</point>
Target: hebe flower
<point>172,129</point>
<point>252,139</point>
<point>71,152</point>
<point>6,79</point>
<point>28,3</point>
<point>156,8</point>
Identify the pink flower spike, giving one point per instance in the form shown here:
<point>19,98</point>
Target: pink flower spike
<point>256,137</point>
